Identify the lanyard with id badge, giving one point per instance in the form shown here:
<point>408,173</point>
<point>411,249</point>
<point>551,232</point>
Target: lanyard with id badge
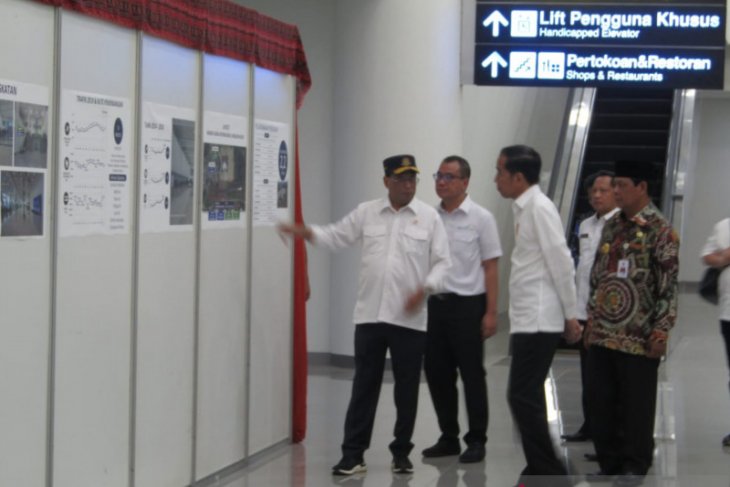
<point>622,272</point>
<point>624,265</point>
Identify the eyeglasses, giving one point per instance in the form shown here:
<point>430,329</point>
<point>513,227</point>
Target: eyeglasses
<point>446,177</point>
<point>405,178</point>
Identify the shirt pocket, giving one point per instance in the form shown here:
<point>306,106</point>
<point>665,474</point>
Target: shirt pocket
<point>415,240</point>
<point>373,239</point>
<point>464,242</point>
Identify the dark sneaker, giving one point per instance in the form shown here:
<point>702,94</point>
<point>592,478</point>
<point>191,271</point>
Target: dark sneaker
<point>474,453</point>
<point>349,466</point>
<point>726,441</point>
<point>401,464</point>
<point>442,449</point>
<point>628,479</point>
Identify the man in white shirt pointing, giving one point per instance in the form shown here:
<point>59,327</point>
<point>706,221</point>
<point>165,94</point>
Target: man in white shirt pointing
<point>542,305</point>
<point>405,256</point>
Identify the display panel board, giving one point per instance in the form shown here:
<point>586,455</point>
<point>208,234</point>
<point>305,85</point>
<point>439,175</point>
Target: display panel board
<point>26,109</point>
<point>93,282</point>
<point>221,421</point>
<point>619,44</point>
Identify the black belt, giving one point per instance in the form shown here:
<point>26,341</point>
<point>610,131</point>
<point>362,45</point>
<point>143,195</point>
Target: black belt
<point>445,296</point>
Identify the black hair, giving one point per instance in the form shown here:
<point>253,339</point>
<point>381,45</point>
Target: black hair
<point>591,178</point>
<point>464,169</point>
<point>524,159</point>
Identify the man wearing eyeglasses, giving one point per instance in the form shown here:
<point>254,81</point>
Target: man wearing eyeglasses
<point>405,256</point>
<point>463,316</point>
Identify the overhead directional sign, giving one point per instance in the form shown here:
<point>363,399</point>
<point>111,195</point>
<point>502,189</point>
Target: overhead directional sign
<point>667,45</point>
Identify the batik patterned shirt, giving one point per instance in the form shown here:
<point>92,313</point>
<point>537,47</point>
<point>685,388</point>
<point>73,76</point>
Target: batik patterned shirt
<point>634,279</point>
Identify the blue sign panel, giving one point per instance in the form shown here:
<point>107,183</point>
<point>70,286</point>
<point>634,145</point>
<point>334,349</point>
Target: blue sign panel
<point>667,45</point>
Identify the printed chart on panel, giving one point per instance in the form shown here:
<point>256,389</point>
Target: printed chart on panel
<point>94,159</point>
<point>167,174</point>
<point>224,170</point>
<point>271,159</point>
<point>23,158</point>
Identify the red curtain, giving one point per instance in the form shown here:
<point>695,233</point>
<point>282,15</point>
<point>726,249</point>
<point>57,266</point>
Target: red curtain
<point>214,26</point>
<point>223,28</point>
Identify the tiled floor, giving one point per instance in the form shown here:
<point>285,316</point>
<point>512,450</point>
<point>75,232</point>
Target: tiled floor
<point>693,415</point>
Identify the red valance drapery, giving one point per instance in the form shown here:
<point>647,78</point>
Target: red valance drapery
<point>213,26</point>
<point>226,29</point>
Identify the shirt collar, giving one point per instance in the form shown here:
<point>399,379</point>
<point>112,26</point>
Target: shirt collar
<point>526,197</point>
<point>609,215</point>
<point>464,207</point>
<point>412,206</point>
<point>644,215</point>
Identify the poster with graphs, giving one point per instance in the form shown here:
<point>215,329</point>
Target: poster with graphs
<point>167,173</point>
<point>94,159</point>
<point>271,158</point>
<point>23,158</point>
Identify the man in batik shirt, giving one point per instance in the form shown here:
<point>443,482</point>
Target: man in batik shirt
<point>632,309</point>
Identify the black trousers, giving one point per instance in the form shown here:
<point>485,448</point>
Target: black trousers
<point>454,343</point>
<point>585,385</point>
<point>406,346</point>
<point>623,404</point>
<point>725,330</point>
<point>532,355</point>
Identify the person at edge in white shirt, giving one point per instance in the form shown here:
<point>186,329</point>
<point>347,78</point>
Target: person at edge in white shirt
<point>600,197</point>
<point>463,316</point>
<point>404,257</point>
<point>716,253</point>
<point>542,305</point>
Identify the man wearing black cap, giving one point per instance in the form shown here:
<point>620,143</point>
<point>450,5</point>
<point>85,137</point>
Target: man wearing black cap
<point>630,313</point>
<point>405,256</point>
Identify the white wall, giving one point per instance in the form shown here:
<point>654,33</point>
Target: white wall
<point>707,180</point>
<point>497,117</point>
<point>396,91</point>
<point>386,80</point>
<point>315,20</point>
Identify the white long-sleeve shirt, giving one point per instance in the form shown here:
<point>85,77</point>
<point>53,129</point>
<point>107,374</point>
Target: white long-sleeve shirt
<point>589,236</point>
<point>542,280</point>
<point>402,251</point>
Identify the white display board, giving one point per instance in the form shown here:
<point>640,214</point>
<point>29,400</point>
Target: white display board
<point>26,109</point>
<point>166,285</point>
<point>271,269</point>
<point>223,331</point>
<point>128,181</point>
<point>93,285</point>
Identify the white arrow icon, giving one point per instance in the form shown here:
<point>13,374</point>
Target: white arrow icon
<point>495,19</point>
<point>495,60</point>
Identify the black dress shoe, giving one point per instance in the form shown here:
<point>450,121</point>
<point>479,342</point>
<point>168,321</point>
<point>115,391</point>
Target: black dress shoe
<point>474,453</point>
<point>579,436</point>
<point>441,449</point>
<point>628,479</point>
<point>591,457</point>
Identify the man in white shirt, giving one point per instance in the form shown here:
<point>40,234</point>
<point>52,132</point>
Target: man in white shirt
<point>542,305</point>
<point>463,315</point>
<point>716,253</point>
<point>405,256</point>
<point>600,197</point>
